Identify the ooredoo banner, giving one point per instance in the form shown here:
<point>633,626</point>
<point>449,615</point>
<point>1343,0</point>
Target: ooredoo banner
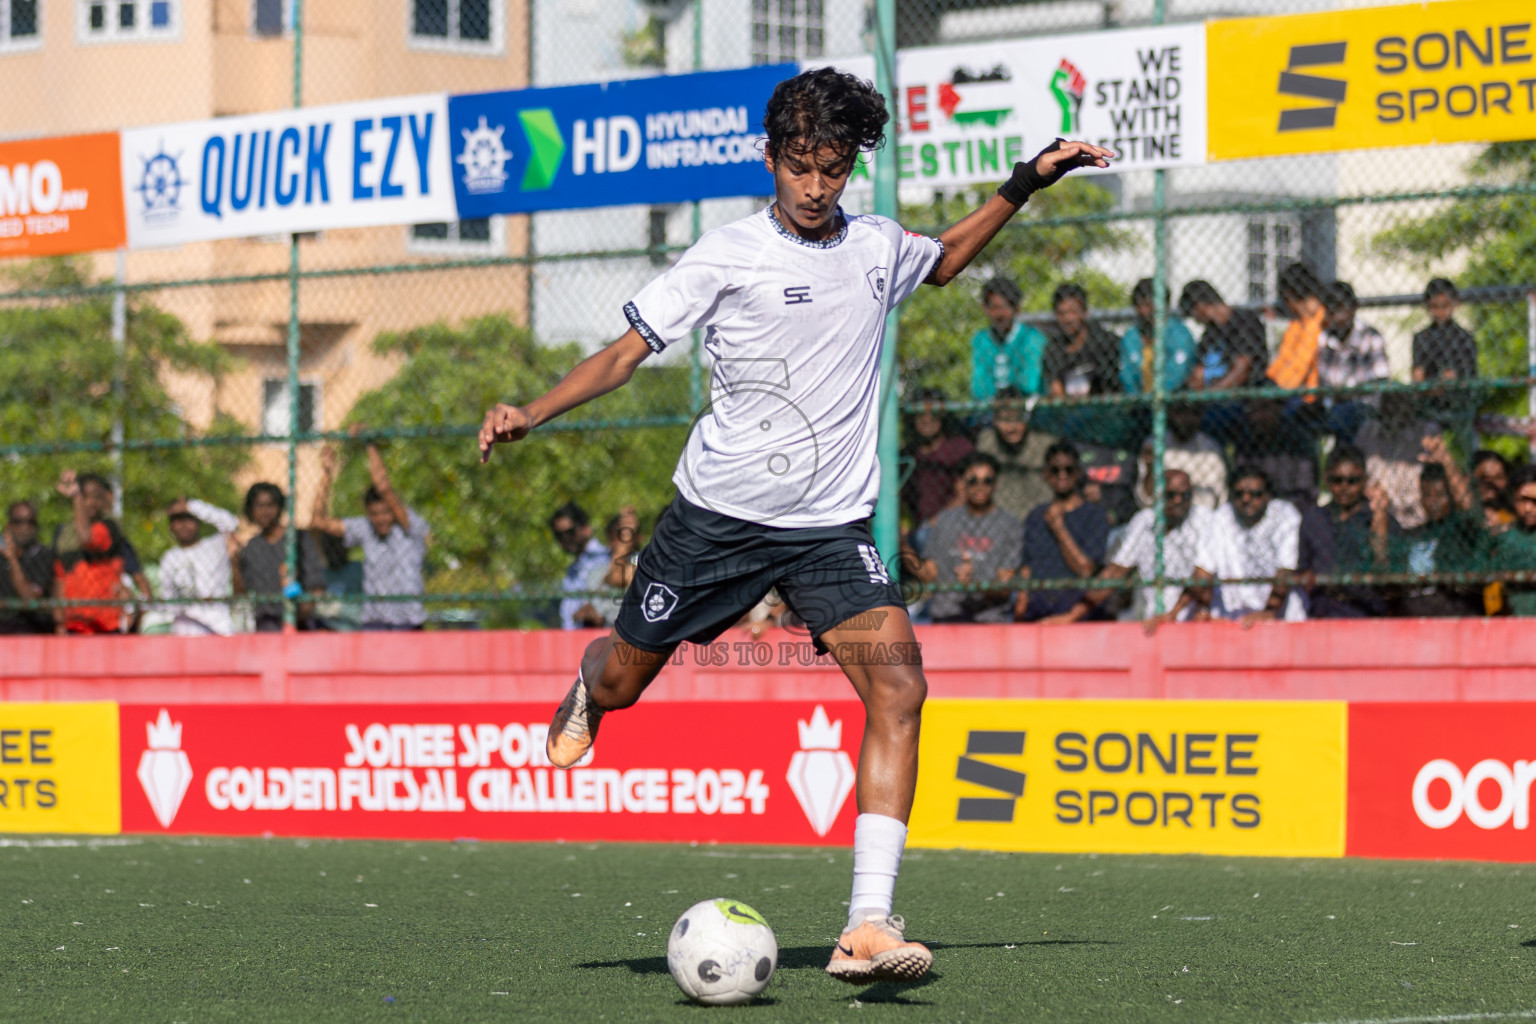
<point>965,114</point>
<point>58,767</point>
<point>311,169</point>
<point>1258,778</point>
<point>662,139</point>
<point>779,772</point>
<point>60,195</point>
<point>1411,75</point>
<point>1442,780</point>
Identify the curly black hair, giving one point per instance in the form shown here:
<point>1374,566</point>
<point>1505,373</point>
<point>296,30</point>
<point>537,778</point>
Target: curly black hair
<point>824,107</point>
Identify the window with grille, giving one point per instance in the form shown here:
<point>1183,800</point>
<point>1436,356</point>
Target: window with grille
<point>457,24</point>
<point>274,406</point>
<point>784,30</point>
<point>1272,243</point>
<point>112,20</point>
<point>19,26</point>
<point>478,236</point>
<point>271,18</point>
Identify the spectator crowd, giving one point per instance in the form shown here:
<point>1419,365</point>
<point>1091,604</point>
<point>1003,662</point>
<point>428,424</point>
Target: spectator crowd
<point>1014,514</point>
<point>1265,499</point>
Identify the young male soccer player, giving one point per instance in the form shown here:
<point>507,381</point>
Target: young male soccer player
<point>776,484</point>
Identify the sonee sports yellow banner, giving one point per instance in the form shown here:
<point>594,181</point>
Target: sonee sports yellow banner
<point>58,768</point>
<point>1459,71</point>
<point>1256,778</point>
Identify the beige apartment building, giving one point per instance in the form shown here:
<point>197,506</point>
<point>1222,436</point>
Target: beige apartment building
<point>69,66</point>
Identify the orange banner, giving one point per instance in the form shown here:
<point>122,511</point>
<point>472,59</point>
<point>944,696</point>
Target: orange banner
<point>60,195</point>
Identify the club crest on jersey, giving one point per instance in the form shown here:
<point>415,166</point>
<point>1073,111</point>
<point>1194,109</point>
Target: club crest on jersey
<point>876,278</point>
<point>659,602</point>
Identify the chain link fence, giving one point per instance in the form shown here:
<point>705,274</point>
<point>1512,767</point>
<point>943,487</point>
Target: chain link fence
<point>1334,431</point>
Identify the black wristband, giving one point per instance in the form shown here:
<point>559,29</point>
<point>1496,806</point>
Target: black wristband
<point>1026,180</point>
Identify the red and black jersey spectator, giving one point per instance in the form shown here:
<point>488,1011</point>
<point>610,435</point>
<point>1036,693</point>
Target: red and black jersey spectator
<point>89,553</point>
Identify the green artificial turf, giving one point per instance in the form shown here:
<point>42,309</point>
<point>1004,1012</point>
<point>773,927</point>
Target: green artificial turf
<point>293,930</point>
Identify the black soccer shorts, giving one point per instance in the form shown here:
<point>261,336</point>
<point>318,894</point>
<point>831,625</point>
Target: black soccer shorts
<point>702,571</point>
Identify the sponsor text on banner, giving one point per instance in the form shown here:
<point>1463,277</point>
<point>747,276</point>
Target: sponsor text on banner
<point>1257,778</point>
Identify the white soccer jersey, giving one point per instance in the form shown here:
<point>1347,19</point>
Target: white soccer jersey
<point>795,329</point>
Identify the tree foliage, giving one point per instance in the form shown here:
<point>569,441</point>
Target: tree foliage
<point>1496,234</point>
<point>57,370</point>
<point>937,323</point>
<point>490,522</point>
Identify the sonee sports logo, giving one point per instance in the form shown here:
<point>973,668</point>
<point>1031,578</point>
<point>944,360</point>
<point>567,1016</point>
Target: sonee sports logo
<point>990,776</point>
<point>797,295</point>
<point>1312,87</point>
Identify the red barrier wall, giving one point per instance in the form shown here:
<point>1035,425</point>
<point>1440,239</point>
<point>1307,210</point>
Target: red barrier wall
<point>1380,660</point>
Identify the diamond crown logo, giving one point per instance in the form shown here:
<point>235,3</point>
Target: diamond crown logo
<point>164,770</point>
<point>164,734</point>
<point>821,773</point>
<point>819,733</point>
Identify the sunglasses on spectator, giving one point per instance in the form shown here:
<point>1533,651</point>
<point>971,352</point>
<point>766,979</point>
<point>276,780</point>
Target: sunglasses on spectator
<point>984,480</point>
<point>23,522</point>
<point>1249,492</point>
<point>1066,470</point>
<point>1178,495</point>
<point>1341,478</point>
<point>566,534</point>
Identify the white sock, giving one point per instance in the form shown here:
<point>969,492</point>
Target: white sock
<point>878,842</point>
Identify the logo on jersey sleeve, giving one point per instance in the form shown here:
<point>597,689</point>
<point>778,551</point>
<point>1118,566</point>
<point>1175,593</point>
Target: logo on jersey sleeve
<point>876,278</point>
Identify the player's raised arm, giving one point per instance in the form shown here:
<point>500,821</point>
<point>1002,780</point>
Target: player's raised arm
<point>595,375</point>
<point>967,238</point>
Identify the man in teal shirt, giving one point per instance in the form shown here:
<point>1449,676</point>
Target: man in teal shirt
<point>1515,548</point>
<point>1179,360</point>
<point>1005,352</point>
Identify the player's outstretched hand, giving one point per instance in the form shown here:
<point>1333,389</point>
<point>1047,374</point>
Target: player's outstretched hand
<point>1050,166</point>
<point>503,425</point>
<point>1060,157</point>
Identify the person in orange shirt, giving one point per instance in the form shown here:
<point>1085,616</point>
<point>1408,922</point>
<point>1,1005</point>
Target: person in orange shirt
<point>1295,365</point>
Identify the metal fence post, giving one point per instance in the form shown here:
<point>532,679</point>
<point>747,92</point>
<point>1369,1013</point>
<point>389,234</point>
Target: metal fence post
<point>696,350</point>
<point>1159,356</point>
<point>119,378</point>
<point>887,513</point>
<point>290,607</point>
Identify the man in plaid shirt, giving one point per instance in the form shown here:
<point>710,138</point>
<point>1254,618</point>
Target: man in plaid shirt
<point>1348,353</point>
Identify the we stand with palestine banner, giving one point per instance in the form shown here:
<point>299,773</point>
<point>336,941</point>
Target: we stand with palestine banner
<point>1169,96</point>
<point>966,114</point>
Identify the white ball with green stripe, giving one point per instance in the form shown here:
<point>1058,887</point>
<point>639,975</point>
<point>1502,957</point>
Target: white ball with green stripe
<point>721,951</point>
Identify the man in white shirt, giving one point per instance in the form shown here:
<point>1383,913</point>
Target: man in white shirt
<point>777,481</point>
<point>1187,525</point>
<point>1188,448</point>
<point>200,567</point>
<point>1253,536</point>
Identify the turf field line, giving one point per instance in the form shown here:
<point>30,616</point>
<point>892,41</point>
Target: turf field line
<point>29,844</point>
<point>1444,1018</point>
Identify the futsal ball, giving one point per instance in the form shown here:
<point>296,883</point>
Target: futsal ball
<point>721,952</point>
